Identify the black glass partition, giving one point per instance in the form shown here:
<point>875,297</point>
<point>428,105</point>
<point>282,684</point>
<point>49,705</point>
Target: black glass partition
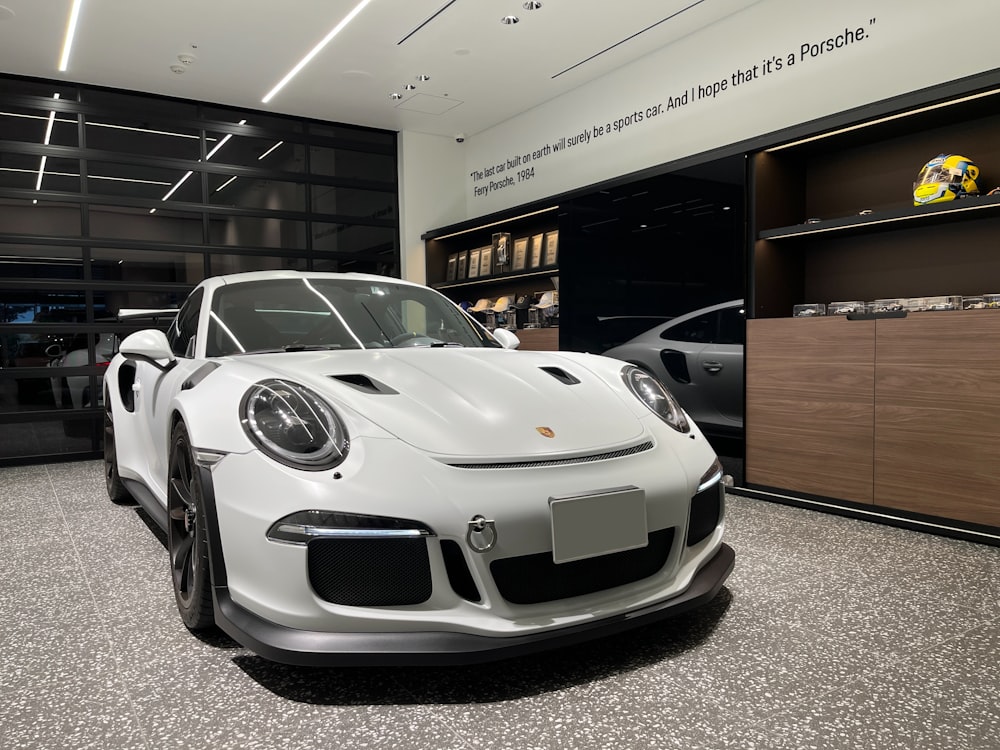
<point>112,200</point>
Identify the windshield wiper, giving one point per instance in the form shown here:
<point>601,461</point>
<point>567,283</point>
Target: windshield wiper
<point>309,347</point>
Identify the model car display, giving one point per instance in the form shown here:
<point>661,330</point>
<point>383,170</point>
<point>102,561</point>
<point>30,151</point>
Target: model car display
<point>699,357</point>
<point>351,470</point>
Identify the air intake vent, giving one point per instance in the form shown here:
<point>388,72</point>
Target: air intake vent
<point>364,383</point>
<point>561,375</point>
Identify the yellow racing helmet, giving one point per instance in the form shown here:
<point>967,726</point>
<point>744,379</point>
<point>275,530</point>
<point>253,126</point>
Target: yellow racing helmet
<point>945,178</point>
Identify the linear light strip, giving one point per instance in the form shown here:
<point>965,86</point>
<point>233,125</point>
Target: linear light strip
<point>496,223</point>
<point>72,121</point>
<point>210,154</point>
<point>45,142</point>
<point>888,118</point>
<point>74,17</point>
<point>279,143</point>
<point>89,176</point>
<point>315,51</point>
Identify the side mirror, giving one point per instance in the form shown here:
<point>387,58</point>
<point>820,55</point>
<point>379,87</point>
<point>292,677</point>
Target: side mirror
<point>508,339</point>
<point>149,346</point>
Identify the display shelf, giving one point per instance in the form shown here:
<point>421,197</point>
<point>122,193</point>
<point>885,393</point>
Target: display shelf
<point>974,207</point>
<point>494,280</point>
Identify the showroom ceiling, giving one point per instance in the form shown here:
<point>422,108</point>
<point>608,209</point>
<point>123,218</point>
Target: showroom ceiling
<point>443,67</point>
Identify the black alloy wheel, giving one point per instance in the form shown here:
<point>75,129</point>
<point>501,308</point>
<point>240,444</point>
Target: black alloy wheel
<point>116,489</point>
<point>187,537</point>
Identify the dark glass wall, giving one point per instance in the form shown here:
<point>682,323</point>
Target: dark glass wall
<point>111,201</point>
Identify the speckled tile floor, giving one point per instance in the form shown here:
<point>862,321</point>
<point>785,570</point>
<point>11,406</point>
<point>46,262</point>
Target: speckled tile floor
<point>831,633</point>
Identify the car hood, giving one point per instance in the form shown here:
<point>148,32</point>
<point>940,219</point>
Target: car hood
<point>471,402</point>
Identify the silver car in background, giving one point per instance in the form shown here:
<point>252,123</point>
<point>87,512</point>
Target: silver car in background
<point>699,357</point>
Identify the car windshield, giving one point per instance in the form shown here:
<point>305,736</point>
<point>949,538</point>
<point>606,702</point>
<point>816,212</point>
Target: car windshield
<point>325,313</point>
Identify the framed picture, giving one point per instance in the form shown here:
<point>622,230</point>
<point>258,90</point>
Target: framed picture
<point>460,273</point>
<point>486,261</point>
<point>501,251</point>
<point>452,267</point>
<point>520,260</point>
<point>535,251</point>
<point>474,256</point>
<point>551,248</point>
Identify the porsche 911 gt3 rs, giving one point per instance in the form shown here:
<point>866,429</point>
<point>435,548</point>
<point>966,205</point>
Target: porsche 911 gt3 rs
<point>351,470</point>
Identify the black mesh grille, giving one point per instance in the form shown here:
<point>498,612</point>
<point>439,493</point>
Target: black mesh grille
<point>459,574</point>
<point>705,513</point>
<point>536,578</point>
<point>370,572</point>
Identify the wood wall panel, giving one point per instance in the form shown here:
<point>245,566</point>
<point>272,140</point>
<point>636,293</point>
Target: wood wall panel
<point>937,411</point>
<point>809,406</point>
<point>538,339</point>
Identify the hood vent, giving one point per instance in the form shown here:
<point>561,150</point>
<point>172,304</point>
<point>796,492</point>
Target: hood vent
<point>364,384</point>
<point>561,375</point>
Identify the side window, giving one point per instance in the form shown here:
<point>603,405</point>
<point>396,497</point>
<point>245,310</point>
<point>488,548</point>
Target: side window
<point>732,326</point>
<point>701,329</point>
<point>185,326</point>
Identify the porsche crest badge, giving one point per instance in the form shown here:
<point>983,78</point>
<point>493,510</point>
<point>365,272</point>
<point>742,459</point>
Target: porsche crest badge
<point>546,432</point>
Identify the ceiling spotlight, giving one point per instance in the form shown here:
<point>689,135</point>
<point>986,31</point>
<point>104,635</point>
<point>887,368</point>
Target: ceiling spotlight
<point>423,78</point>
<point>409,87</point>
<point>395,96</point>
<point>178,69</point>
<point>532,4</point>
<point>186,58</point>
<point>509,20</point>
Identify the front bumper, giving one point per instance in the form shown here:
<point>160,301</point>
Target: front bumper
<point>310,648</point>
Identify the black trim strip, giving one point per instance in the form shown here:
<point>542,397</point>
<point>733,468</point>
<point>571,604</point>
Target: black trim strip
<point>938,525</point>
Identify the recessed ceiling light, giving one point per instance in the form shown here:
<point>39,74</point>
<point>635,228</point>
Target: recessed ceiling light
<point>532,4</point>
<point>409,87</point>
<point>423,78</point>
<point>509,20</point>
<point>395,96</point>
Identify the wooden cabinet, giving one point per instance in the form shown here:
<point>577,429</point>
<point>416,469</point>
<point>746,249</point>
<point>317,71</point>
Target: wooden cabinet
<point>897,414</point>
<point>809,398</point>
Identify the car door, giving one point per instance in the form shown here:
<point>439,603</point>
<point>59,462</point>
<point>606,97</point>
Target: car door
<point>720,367</point>
<point>154,390</point>
<point>703,357</point>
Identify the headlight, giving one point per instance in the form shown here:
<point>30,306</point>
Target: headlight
<point>654,394</point>
<point>293,425</point>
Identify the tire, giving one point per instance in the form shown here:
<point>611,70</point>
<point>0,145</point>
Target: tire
<point>187,537</point>
<point>116,489</point>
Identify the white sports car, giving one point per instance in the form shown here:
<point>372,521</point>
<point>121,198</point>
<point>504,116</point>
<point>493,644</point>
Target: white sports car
<point>351,470</point>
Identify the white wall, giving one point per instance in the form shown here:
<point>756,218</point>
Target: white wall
<point>430,194</point>
<point>891,47</point>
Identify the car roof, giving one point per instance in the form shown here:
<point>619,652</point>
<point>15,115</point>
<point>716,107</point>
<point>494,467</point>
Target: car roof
<point>214,282</point>
<point>657,331</point>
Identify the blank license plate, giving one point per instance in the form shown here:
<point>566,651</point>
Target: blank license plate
<point>598,523</point>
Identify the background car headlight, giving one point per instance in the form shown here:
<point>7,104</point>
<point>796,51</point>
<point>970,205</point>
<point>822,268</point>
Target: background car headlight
<point>293,425</point>
<point>654,394</point>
